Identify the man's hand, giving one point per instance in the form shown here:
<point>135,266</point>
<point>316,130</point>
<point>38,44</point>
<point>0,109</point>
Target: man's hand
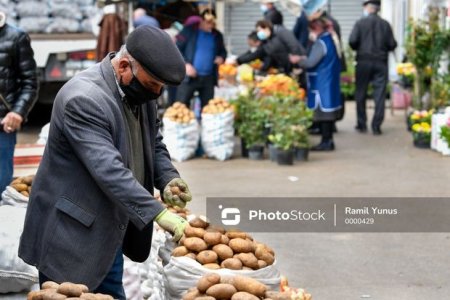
<point>176,193</point>
<point>11,122</point>
<point>173,223</point>
<point>219,60</point>
<point>191,71</point>
<point>294,59</point>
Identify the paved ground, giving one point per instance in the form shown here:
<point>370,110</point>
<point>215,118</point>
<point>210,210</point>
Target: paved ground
<point>345,266</point>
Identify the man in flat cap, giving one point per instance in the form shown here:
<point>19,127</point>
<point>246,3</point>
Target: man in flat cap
<point>92,198</point>
<point>372,39</point>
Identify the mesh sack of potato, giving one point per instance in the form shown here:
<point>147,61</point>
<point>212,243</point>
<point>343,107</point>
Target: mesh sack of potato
<point>217,132</point>
<point>181,132</point>
<point>209,248</point>
<point>18,191</point>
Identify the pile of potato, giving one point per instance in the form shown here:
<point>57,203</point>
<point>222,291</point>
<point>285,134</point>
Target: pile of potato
<point>179,113</point>
<point>215,248</point>
<point>66,290</point>
<point>217,106</point>
<point>213,286</point>
<point>23,184</point>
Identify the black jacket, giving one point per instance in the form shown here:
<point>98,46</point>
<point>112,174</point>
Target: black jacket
<point>274,16</point>
<point>277,48</point>
<point>18,75</point>
<point>372,39</point>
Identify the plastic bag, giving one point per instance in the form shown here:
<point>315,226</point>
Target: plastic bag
<point>62,25</point>
<point>15,274</point>
<point>218,135</point>
<point>34,24</point>
<point>43,135</point>
<point>181,139</point>
<point>182,273</point>
<point>32,9</point>
<point>66,10</point>
<point>13,198</point>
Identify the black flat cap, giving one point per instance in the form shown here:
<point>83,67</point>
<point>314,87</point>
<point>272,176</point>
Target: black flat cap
<point>376,2</point>
<point>157,54</point>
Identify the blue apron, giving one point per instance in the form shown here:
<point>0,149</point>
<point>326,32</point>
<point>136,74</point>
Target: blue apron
<point>324,91</point>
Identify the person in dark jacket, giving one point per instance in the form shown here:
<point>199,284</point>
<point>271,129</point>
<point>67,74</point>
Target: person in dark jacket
<point>323,71</point>
<point>18,89</point>
<point>301,30</point>
<point>275,46</point>
<point>92,200</point>
<point>203,50</point>
<point>271,13</point>
<point>372,39</point>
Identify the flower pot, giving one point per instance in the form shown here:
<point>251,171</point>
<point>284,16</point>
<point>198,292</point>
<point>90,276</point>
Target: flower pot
<point>285,157</point>
<point>301,154</point>
<point>244,150</point>
<point>256,152</point>
<point>421,140</point>
<point>272,153</point>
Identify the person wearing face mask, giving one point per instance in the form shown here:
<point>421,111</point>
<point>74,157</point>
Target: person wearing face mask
<point>372,39</point>
<point>203,50</point>
<point>271,13</point>
<point>323,73</point>
<point>92,200</point>
<point>275,47</point>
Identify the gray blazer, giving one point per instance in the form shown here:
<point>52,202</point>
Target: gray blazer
<point>85,202</point>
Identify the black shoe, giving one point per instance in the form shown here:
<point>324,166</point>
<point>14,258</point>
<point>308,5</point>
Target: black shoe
<point>361,129</point>
<point>324,146</point>
<point>314,131</point>
<point>376,131</point>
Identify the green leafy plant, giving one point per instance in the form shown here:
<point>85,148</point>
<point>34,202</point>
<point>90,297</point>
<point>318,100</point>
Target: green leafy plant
<point>445,132</point>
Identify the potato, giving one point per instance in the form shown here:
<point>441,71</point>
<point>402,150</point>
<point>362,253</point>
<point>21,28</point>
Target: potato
<point>195,244</point>
<point>262,253</point>
<point>215,228</point>
<point>205,298</point>
<point>53,296</point>
<point>191,255</point>
<point>194,232</point>
<point>191,294</point>
<point>240,245</point>
<point>207,257</point>
<point>104,297</point>
<point>20,187</point>
<point>70,289</point>
<point>88,296</point>
<point>199,222</point>
<point>212,238</point>
<point>221,291</point>
<point>25,193</point>
<point>28,180</point>
<point>224,239</point>
<point>249,285</point>
<point>232,264</point>
<point>234,234</point>
<point>223,251</point>
<point>247,268</point>
<point>261,264</point>
<point>73,298</point>
<point>36,295</point>
<point>180,251</point>
<point>207,281</point>
<point>49,285</point>
<point>248,260</point>
<point>212,266</point>
<point>263,248</point>
<point>244,296</point>
<point>83,288</point>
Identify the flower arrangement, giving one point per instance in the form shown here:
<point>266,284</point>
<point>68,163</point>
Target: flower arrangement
<point>280,85</point>
<point>421,116</point>
<point>445,132</point>
<point>406,71</point>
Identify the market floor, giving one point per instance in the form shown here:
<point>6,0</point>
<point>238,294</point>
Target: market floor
<point>382,266</point>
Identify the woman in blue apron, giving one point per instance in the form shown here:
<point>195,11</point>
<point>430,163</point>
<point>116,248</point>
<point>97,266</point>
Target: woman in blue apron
<point>323,73</point>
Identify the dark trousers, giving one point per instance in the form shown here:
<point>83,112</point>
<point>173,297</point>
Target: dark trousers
<point>203,84</point>
<point>326,129</point>
<point>111,285</point>
<point>377,74</point>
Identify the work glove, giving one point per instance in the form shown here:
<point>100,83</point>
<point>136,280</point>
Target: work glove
<point>176,193</point>
<point>172,223</point>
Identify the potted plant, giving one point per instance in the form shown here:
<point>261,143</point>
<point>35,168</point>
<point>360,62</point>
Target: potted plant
<point>283,142</point>
<point>445,132</point>
<point>422,135</point>
<point>251,125</point>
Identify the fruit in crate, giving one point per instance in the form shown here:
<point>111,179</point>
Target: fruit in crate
<point>280,85</point>
<point>217,106</point>
<point>179,113</point>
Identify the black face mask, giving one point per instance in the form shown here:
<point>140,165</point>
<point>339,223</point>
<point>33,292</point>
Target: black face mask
<point>136,93</point>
